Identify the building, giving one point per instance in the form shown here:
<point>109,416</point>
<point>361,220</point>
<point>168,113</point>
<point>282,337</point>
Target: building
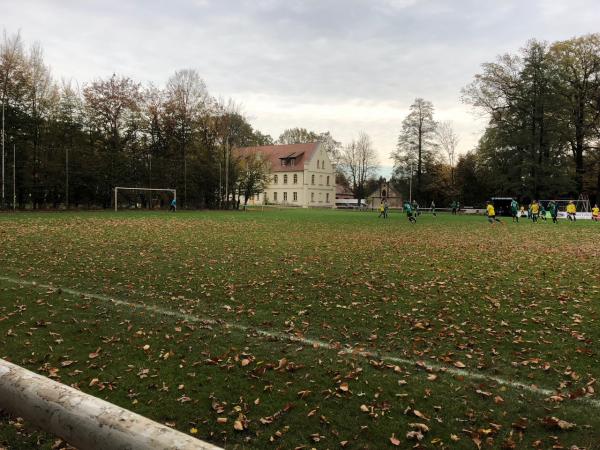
<point>384,192</point>
<point>301,175</point>
<point>343,193</point>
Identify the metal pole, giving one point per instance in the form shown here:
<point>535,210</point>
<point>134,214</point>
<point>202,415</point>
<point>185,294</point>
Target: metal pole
<point>82,420</point>
<point>116,199</point>
<point>14,178</point>
<point>410,183</point>
<point>227,173</point>
<point>67,177</point>
<point>2,206</point>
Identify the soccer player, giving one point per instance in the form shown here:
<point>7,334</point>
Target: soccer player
<point>173,206</point>
<point>415,208</point>
<point>572,211</point>
<point>596,213</point>
<point>491,213</point>
<point>453,206</point>
<point>535,211</point>
<point>542,212</point>
<point>409,212</point>
<point>381,210</point>
<point>385,209</point>
<point>514,209</point>
<point>553,207</point>
<point>433,208</point>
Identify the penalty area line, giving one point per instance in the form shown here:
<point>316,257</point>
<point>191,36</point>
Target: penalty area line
<point>315,343</point>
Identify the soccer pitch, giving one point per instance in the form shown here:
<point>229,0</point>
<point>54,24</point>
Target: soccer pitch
<point>312,329</point>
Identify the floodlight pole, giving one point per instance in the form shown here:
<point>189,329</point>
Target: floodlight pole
<point>14,177</point>
<point>67,177</point>
<point>410,184</point>
<point>2,206</point>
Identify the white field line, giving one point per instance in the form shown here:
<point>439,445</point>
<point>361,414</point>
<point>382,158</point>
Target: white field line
<point>346,350</point>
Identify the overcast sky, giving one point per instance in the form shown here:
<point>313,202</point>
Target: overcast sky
<point>337,65</point>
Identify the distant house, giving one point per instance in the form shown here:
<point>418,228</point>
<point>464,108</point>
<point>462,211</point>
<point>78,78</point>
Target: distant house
<point>343,193</point>
<point>301,175</point>
<point>385,192</point>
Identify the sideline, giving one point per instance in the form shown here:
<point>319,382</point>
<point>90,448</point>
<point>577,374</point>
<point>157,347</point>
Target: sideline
<point>316,343</point>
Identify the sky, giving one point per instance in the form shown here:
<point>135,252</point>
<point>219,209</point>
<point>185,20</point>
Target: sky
<point>342,66</point>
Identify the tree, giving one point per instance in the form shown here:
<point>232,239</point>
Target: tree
<point>358,160</point>
<point>576,63</point>
<point>448,142</point>
<point>522,145</point>
<point>416,142</point>
<point>297,136</point>
<point>253,176</point>
<point>111,107</point>
<point>187,100</point>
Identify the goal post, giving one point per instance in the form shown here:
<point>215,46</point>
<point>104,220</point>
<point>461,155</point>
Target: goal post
<point>129,189</point>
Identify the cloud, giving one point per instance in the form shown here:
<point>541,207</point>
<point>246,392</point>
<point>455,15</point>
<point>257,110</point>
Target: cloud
<point>338,65</point>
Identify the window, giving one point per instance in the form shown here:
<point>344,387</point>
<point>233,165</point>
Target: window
<point>295,196</point>
<point>275,179</point>
<point>285,179</point>
<point>285,196</point>
<point>257,197</point>
<point>313,179</point>
<point>295,178</point>
<point>328,181</point>
<point>274,196</point>
<point>327,197</point>
<point>312,196</point>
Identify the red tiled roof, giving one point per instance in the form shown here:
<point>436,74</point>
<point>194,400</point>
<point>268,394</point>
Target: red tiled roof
<point>301,152</point>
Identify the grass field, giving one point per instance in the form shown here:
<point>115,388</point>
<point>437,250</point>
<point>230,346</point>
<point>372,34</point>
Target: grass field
<point>312,329</point>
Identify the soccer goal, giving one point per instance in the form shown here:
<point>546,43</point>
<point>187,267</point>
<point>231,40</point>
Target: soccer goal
<point>143,198</point>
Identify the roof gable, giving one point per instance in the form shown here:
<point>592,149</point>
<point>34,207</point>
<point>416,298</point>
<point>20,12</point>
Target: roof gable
<point>295,156</point>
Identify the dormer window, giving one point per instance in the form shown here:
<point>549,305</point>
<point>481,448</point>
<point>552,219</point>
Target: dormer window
<point>289,160</point>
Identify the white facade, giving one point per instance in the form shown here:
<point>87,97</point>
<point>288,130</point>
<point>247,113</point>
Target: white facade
<point>310,186</point>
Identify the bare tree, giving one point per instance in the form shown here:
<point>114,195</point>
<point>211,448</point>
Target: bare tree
<point>448,141</point>
<point>416,140</point>
<point>187,100</point>
<point>11,63</point>
<point>358,160</point>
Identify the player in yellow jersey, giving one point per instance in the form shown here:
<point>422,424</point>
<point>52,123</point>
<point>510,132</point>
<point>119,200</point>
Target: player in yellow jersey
<point>571,211</point>
<point>491,213</point>
<point>596,213</point>
<point>535,211</point>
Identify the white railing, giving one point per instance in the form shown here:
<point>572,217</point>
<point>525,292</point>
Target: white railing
<point>82,420</point>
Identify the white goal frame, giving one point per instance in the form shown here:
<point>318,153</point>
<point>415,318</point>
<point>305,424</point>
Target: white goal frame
<point>116,189</point>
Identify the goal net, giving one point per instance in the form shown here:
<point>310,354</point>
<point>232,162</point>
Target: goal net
<point>143,198</point>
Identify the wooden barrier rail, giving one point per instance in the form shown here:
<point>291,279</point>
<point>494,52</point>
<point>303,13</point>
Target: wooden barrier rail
<point>84,421</point>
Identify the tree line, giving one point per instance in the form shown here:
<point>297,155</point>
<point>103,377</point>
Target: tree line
<point>542,138</point>
<point>75,144</point>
